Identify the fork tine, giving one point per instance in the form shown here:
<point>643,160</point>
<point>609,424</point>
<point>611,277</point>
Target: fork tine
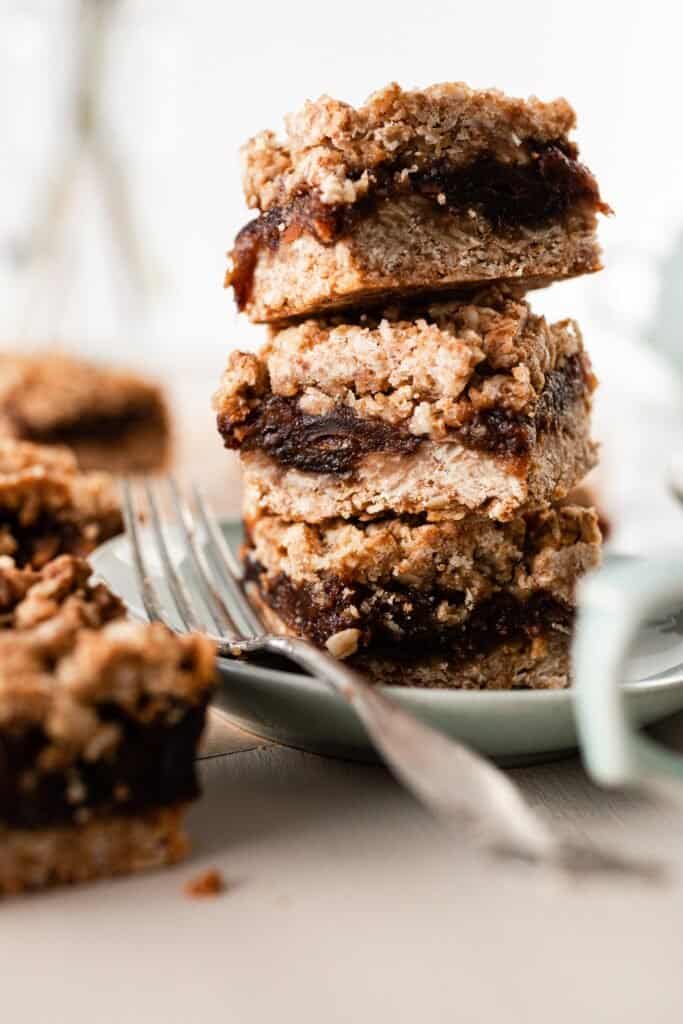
<point>220,614</point>
<point>210,522</point>
<point>173,580</point>
<point>148,592</point>
<point>223,559</point>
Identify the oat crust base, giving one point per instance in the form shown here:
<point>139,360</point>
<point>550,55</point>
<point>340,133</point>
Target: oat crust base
<point>410,246</point>
<point>34,858</point>
<point>439,478</point>
<point>542,664</point>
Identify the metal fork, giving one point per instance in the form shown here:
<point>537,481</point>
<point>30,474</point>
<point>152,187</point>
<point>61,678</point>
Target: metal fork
<point>447,777</point>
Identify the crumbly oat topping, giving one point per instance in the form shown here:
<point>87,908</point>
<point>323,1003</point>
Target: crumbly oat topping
<point>474,556</point>
<point>244,383</point>
<point>99,715</point>
<point>143,669</point>
<point>333,147</point>
<point>411,589</point>
<point>344,643</point>
<point>55,602</point>
<point>426,371</point>
<point>48,507</point>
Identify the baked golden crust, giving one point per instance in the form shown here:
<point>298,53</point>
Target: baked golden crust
<point>541,663</point>
<point>438,480</point>
<point>113,419</point>
<point>57,680</point>
<point>406,246</point>
<point>333,147</point>
<point>48,507</point>
<point>101,848</point>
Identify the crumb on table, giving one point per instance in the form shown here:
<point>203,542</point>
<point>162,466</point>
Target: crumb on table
<point>208,883</point>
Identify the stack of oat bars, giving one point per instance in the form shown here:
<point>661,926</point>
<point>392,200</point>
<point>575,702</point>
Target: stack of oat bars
<point>100,717</point>
<point>411,429</point>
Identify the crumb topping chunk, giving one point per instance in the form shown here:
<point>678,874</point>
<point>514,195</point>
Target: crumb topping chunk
<point>48,507</point>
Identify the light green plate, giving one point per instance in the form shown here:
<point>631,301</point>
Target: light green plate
<point>514,727</point>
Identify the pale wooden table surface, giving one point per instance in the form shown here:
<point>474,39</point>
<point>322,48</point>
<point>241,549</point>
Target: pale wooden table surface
<point>345,902</point>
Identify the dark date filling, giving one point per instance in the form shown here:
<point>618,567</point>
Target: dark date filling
<point>403,622</point>
<point>334,443</point>
<point>501,432</point>
<point>338,442</point>
<point>46,537</point>
<point>153,765</point>
<point>92,427</point>
<point>508,195</point>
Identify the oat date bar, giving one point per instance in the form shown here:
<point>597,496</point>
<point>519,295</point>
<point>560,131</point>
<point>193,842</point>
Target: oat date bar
<point>401,595</point>
<point>412,192</point>
<point>98,736</point>
<point>111,419</point>
<point>462,406</point>
<point>49,507</point>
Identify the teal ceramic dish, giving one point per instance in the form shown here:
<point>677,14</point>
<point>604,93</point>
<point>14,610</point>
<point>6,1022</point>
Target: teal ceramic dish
<point>514,727</point>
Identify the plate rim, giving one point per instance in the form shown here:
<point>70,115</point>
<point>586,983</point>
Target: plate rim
<point>425,695</point>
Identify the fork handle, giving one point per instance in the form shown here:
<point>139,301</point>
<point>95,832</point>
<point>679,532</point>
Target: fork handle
<point>431,765</point>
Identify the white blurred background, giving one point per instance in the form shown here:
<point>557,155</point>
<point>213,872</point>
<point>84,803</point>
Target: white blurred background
<point>185,82</point>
